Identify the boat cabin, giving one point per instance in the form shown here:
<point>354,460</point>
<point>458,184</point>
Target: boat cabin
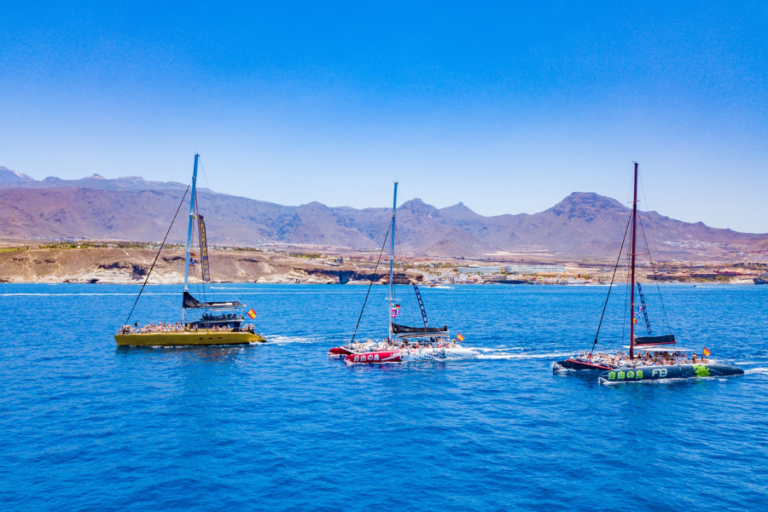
<point>216,314</point>
<point>222,321</point>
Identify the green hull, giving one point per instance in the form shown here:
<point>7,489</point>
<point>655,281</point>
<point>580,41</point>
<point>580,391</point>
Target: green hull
<point>683,371</point>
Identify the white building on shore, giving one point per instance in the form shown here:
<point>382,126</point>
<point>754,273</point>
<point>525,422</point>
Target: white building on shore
<point>514,269</point>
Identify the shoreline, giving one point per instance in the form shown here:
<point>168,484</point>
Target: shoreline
<point>421,285</point>
<point>101,263</point>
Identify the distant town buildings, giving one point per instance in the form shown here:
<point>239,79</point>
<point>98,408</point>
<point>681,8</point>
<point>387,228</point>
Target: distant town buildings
<point>535,269</point>
<point>514,269</point>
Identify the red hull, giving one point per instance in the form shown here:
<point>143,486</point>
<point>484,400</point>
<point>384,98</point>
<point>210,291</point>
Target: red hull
<point>385,356</point>
<point>339,352</point>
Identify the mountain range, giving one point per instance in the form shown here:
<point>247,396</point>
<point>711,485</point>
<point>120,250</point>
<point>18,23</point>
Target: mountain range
<point>583,225</point>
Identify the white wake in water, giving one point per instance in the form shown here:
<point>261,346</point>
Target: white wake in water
<point>229,289</point>
<point>514,353</point>
<point>285,340</point>
<point>77,294</point>
<point>508,356</point>
<point>763,371</point>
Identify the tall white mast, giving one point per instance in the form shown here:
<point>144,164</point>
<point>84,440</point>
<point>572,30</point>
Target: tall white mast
<point>189,232</point>
<point>392,264</point>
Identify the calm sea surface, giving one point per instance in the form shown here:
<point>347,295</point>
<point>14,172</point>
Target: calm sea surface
<point>87,426</point>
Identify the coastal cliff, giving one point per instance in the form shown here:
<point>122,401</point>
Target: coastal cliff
<point>114,265</point>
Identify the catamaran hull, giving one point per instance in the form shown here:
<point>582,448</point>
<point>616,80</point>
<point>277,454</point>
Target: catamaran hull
<point>172,339</point>
<point>339,352</point>
<point>655,373</point>
<point>576,365</point>
<point>385,356</point>
<point>410,356</point>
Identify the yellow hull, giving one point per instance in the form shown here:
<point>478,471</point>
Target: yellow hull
<point>187,338</point>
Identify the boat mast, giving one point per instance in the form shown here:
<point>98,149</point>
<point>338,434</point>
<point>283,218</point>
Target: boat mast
<point>189,232</point>
<point>392,264</point>
<point>632,274</point>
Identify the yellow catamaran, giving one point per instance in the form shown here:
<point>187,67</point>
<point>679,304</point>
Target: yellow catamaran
<point>220,323</point>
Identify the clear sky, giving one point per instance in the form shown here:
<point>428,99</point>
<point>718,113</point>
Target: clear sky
<point>506,106</point>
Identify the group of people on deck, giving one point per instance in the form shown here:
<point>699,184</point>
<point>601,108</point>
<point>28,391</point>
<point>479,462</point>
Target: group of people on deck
<point>178,327</point>
<point>646,358</point>
<point>397,344</point>
<point>229,316</point>
<point>158,327</point>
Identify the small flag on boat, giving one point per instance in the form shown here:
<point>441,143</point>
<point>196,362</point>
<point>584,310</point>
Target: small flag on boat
<point>252,314</point>
<point>634,320</point>
<point>459,338</point>
<point>706,351</point>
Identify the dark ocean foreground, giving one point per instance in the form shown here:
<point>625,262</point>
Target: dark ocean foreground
<point>88,426</point>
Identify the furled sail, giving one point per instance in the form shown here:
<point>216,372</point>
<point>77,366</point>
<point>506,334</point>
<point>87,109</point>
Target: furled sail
<point>204,249</point>
<point>655,340</point>
<point>403,331</point>
<point>192,303</point>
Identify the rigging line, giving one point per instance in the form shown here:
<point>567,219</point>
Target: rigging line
<point>373,276</point>
<point>653,268</point>
<point>214,215</point>
<point>164,299</point>
<point>157,255</point>
<point>615,268</point>
<point>214,209</point>
<point>399,244</point>
<point>626,299</point>
<point>655,248</point>
<point>418,246</point>
<point>205,178</point>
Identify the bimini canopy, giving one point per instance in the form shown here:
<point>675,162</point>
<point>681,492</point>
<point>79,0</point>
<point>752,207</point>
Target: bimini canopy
<point>403,331</point>
<point>192,303</point>
<point>655,340</point>
<point>661,348</point>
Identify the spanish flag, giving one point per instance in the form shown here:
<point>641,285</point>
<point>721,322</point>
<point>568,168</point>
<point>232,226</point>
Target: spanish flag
<point>251,314</point>
<point>706,351</point>
<point>459,338</point>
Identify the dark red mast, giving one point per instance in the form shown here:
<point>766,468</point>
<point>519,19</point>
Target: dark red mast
<point>632,275</point>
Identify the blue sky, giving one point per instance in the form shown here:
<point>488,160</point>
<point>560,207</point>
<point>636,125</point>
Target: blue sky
<point>506,106</point>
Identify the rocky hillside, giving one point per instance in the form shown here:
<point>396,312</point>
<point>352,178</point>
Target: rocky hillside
<point>583,225</point>
<point>130,266</point>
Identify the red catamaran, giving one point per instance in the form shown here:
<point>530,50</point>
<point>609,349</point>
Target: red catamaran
<point>403,344</point>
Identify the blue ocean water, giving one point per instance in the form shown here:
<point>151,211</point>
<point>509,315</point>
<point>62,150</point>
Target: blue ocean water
<point>88,426</point>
